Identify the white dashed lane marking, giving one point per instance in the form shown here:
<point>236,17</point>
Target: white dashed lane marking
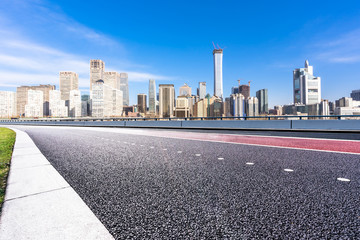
<point>250,163</point>
<point>198,154</point>
<point>288,170</point>
<point>220,158</point>
<point>179,151</point>
<point>343,179</point>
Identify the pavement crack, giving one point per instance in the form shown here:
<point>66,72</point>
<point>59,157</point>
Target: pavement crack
<point>34,194</point>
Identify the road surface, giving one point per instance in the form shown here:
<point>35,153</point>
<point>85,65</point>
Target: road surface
<point>209,185</point>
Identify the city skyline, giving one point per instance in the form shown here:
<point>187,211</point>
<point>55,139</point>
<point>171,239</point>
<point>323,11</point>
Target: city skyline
<point>65,39</point>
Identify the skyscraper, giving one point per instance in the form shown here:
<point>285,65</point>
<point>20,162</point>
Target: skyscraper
<point>307,88</point>
<point>152,97</point>
<point>97,68</point>
<point>252,107</point>
<point>185,90</point>
<point>68,81</point>
<point>218,75</point>
<point>34,106</point>
<point>237,105</point>
<point>75,103</point>
<point>57,106</point>
<point>7,104</point>
<point>245,91</point>
<point>112,79</point>
<point>141,98</point>
<point>166,100</point>
<point>202,90</point>
<point>124,87</point>
<point>355,95</point>
<point>262,96</point>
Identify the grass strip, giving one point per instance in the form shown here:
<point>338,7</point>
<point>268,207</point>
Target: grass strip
<point>7,140</point>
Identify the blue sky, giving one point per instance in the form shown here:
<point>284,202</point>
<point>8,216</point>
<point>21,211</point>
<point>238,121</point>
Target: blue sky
<point>171,41</point>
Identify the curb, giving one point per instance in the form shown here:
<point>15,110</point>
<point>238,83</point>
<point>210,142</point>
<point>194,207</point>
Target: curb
<point>40,204</point>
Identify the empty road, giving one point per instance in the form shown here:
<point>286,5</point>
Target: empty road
<point>149,184</point>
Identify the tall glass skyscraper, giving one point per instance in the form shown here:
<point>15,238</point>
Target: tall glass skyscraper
<point>262,96</point>
<point>124,87</point>
<point>152,96</point>
<point>218,76</point>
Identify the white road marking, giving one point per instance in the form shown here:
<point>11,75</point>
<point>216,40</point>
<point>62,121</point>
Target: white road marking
<point>165,149</point>
<point>151,147</point>
<point>249,163</point>
<point>198,154</point>
<point>141,145</point>
<point>343,179</point>
<point>220,158</point>
<point>179,151</point>
<point>288,170</point>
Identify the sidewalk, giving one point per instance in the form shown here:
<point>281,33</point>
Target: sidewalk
<point>40,204</point>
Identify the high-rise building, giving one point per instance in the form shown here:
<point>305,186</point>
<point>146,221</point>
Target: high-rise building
<point>185,90</point>
<point>7,104</point>
<point>152,97</point>
<point>97,68</point>
<point>252,107</point>
<point>201,108</point>
<point>182,109</point>
<point>307,88</point>
<point>245,91</point>
<point>235,90</point>
<point>68,81</point>
<point>57,107</point>
<point>262,96</point>
<point>218,75</point>
<point>112,79</point>
<point>237,105</point>
<point>141,98</point>
<point>105,100</point>
<point>35,104</point>
<point>75,103</point>
<point>355,94</point>
<point>202,90</point>
<point>22,98</point>
<point>166,100</point>
<point>124,87</point>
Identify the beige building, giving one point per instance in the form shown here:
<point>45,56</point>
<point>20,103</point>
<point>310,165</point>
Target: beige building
<point>105,100</point>
<point>112,79</point>
<point>75,103</point>
<point>141,105</point>
<point>182,109</point>
<point>57,106</point>
<point>22,98</point>
<point>185,90</point>
<point>216,107</point>
<point>68,81</point>
<point>97,68</point>
<point>7,104</point>
<point>201,108</point>
<point>34,106</point>
<point>166,100</point>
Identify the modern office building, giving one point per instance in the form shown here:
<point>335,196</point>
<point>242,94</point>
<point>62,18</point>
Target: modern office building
<point>22,98</point>
<point>112,79</point>
<point>201,108</point>
<point>141,105</point>
<point>234,90</point>
<point>237,105</point>
<point>8,104</point>
<point>152,97</point>
<point>35,104</point>
<point>97,69</point>
<point>262,96</point>
<point>252,107</point>
<point>218,74</point>
<point>75,103</point>
<point>355,94</point>
<point>124,87</point>
<point>202,90</point>
<point>166,100</point>
<point>68,81</point>
<point>185,90</point>
<point>57,107</point>
<point>307,88</point>
<point>182,109</point>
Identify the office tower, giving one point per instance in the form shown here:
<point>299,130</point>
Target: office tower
<point>216,107</point>
<point>182,109</point>
<point>34,106</point>
<point>105,100</point>
<point>68,81</point>
<point>124,87</point>
<point>355,94</point>
<point>22,98</point>
<point>324,107</point>
<point>234,90</point>
<point>226,107</point>
<point>202,90</point>
<point>166,100</point>
<point>152,97</point>
<point>75,103</point>
<point>200,108</point>
<point>97,68</point>
<point>218,75</point>
<point>185,90</point>
<point>7,104</point>
<point>141,98</point>
<point>307,88</point>
<point>251,107</point>
<point>57,107</point>
<point>112,79</point>
<point>262,96</point>
<point>237,105</point>
<point>245,91</point>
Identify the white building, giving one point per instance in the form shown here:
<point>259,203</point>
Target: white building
<point>202,90</point>
<point>57,106</point>
<point>124,87</point>
<point>34,107</point>
<point>237,105</point>
<point>7,104</point>
<point>182,109</point>
<point>252,107</point>
<point>152,97</point>
<point>307,88</point>
<point>97,68</point>
<point>218,75</point>
<point>75,103</point>
<point>105,100</point>
<point>68,81</point>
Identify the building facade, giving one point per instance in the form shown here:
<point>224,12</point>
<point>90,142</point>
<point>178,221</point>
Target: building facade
<point>124,87</point>
<point>355,94</point>
<point>244,90</point>
<point>252,107</point>
<point>218,74</point>
<point>237,105</point>
<point>8,104</point>
<point>141,105</point>
<point>34,106</point>
<point>68,81</point>
<point>307,88</point>
<point>202,90</point>
<point>185,90</point>
<point>166,100</point>
<point>75,103</point>
<point>57,107</point>
<point>152,97</point>
<point>97,69</point>
<point>262,96</point>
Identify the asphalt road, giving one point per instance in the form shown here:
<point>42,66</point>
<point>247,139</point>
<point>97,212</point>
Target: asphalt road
<point>145,187</point>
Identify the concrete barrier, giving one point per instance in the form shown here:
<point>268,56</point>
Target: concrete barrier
<point>326,124</point>
<point>238,124</point>
<point>167,124</point>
